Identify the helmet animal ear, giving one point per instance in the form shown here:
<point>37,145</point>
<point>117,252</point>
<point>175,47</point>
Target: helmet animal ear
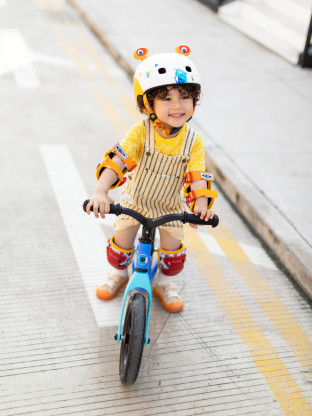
<point>183,50</point>
<point>141,54</point>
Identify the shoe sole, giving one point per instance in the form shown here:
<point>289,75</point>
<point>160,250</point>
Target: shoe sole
<point>169,308</point>
<point>105,295</point>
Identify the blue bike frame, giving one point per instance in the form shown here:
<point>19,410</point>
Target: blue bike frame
<point>143,274</point>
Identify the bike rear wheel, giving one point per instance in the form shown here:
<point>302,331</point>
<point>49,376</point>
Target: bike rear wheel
<point>133,339</point>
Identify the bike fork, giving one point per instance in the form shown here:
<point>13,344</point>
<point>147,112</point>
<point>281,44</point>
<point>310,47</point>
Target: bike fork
<point>140,281</point>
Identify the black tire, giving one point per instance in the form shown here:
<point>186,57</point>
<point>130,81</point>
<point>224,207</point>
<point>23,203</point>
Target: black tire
<point>132,345</point>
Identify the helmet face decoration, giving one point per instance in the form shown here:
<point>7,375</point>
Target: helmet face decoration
<point>183,49</point>
<point>163,69</point>
<point>141,54</point>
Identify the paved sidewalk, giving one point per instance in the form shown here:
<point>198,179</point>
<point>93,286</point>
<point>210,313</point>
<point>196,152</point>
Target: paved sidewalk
<point>255,114</point>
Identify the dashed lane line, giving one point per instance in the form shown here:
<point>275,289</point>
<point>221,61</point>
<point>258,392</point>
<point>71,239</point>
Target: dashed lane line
<point>132,114</point>
<point>294,335</point>
<point>271,366</point>
<point>110,110</point>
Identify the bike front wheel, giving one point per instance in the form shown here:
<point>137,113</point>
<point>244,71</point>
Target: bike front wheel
<point>133,339</point>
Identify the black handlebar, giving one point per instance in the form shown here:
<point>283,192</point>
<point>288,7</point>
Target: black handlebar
<point>156,222</point>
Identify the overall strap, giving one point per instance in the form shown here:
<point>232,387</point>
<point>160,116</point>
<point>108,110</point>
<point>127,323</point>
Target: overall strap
<point>188,142</point>
<point>149,135</point>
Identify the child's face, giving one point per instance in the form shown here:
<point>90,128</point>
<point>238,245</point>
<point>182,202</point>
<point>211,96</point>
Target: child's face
<point>175,109</point>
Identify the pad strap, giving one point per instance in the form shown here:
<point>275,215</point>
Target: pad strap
<point>196,176</point>
<point>107,162</point>
<point>127,161</point>
<point>211,194</point>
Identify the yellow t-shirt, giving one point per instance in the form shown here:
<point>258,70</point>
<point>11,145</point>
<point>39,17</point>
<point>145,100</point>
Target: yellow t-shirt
<point>133,145</point>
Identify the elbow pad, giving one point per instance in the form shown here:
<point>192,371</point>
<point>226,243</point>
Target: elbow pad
<point>191,196</point>
<point>107,162</point>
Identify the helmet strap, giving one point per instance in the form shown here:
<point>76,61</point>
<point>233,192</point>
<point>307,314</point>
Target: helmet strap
<point>157,123</point>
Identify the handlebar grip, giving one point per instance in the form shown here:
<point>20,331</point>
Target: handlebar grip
<point>84,205</point>
<point>195,219</point>
<point>215,221</point>
<point>114,209</point>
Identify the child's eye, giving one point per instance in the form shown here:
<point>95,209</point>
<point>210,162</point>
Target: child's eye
<point>185,97</point>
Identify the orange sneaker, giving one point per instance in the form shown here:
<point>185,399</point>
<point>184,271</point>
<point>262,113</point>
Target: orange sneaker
<point>169,297</point>
<point>114,281</point>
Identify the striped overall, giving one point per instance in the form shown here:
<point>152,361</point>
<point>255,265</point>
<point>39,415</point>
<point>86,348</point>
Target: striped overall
<point>154,187</point>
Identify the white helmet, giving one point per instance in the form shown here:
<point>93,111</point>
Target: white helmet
<point>160,70</point>
<point>163,69</point>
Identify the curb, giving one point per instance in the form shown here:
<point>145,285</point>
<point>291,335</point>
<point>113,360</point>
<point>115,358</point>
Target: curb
<point>236,188</point>
<point>245,197</point>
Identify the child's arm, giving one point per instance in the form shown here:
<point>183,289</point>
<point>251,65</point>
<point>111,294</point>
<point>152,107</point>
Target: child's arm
<point>124,156</point>
<point>100,201</point>
<point>196,179</point>
<point>201,203</point>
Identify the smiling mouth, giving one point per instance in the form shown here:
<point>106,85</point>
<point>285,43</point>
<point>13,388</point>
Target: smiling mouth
<point>177,115</point>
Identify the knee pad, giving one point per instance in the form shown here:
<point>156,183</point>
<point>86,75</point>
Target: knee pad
<point>118,257</point>
<point>171,262</point>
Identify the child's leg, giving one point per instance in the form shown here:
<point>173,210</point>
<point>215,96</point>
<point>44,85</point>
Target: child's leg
<point>119,255</point>
<point>171,262</point>
<point>167,242</point>
<point>125,238</point>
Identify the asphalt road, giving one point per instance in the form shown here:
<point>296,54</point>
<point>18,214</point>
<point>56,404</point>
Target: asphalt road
<point>242,345</point>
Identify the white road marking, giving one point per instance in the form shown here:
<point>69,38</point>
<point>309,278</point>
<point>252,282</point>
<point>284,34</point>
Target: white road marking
<point>84,232</point>
<point>17,58</point>
<point>256,254</point>
<point>211,243</point>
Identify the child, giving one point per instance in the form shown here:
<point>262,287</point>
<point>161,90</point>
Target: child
<point>161,153</point>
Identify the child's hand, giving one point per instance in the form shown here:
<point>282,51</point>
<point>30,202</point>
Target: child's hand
<point>100,201</point>
<point>200,208</point>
